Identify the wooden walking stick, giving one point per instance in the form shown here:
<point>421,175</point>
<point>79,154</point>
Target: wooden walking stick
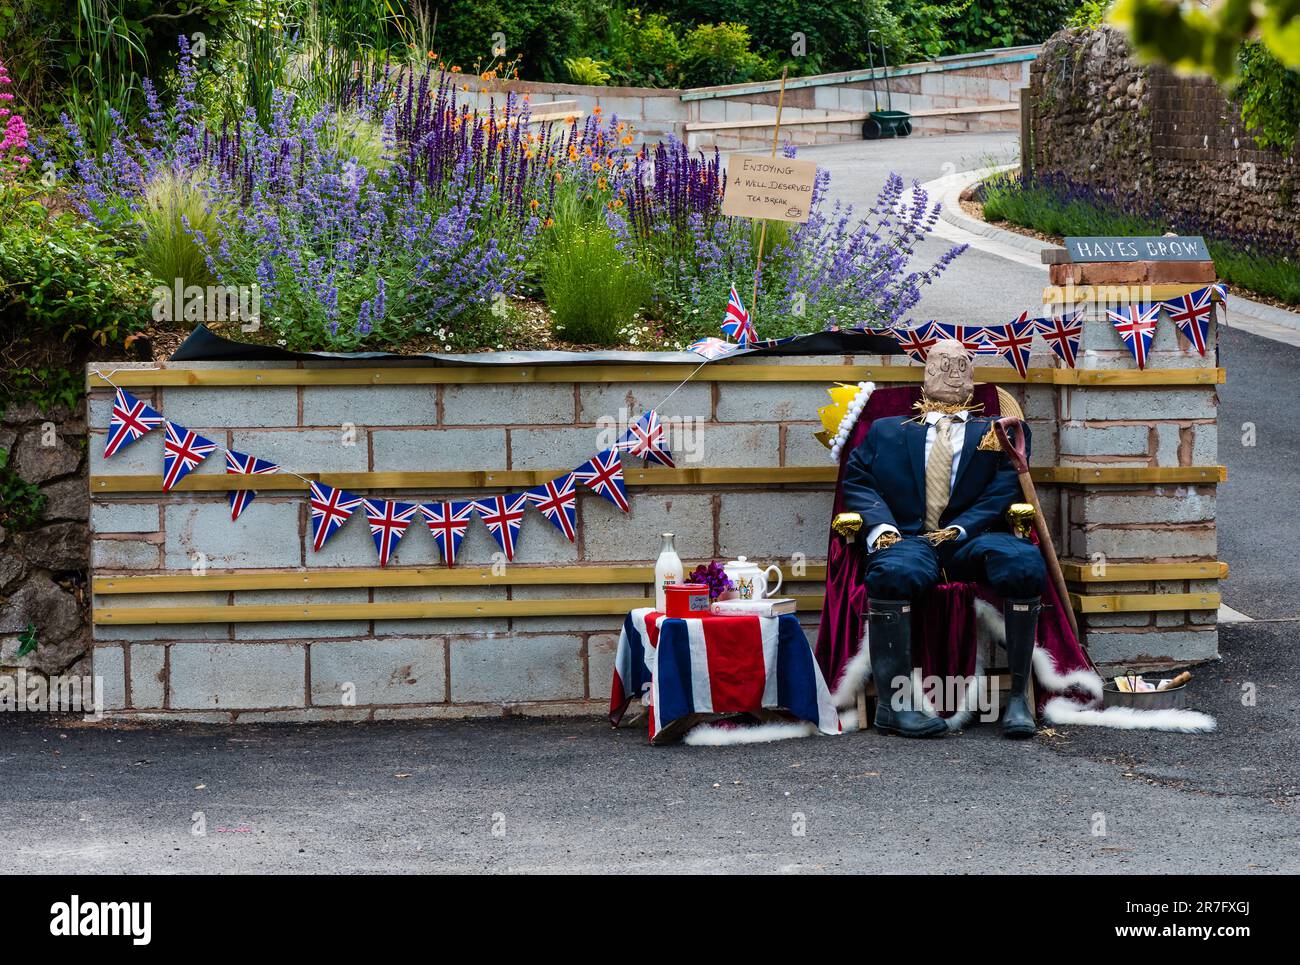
<point>1005,428</point>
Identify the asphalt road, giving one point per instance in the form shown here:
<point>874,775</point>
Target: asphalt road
<point>574,795</point>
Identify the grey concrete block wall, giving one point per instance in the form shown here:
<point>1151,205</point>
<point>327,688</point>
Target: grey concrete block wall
<point>555,662</point>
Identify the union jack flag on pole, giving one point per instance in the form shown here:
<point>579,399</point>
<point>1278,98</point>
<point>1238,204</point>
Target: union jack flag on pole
<point>183,450</point>
<point>388,523</point>
<point>1136,325</point>
<point>1191,315</point>
<point>647,439</point>
<point>237,462</point>
<point>330,509</point>
<point>1062,333</point>
<point>1014,342</point>
<point>737,323</point>
<point>503,516</point>
<point>448,522</point>
<point>556,500</point>
<point>130,420</point>
<point>603,473</point>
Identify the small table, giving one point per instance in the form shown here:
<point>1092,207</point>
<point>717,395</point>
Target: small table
<point>688,669</point>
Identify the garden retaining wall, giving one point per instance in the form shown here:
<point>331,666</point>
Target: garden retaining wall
<point>1099,117</point>
<point>969,92</point>
<point>1113,458</point>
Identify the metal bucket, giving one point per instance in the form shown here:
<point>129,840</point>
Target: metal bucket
<point>1175,698</point>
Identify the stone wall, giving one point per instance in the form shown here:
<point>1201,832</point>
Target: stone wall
<point>758,485</point>
<point>971,92</point>
<point>1098,117</point>
<point>43,568</point>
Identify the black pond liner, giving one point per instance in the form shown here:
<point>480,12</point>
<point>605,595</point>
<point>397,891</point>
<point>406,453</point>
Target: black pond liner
<point>203,345</point>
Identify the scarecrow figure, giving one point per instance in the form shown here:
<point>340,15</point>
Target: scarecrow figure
<point>932,491</point>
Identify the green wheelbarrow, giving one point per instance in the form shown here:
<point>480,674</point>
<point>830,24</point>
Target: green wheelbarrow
<point>889,122</point>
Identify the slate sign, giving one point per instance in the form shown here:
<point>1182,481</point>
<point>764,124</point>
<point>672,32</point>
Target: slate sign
<point>1156,248</point>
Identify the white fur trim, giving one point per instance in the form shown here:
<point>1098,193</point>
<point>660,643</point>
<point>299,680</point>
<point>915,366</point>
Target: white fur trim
<point>990,621</point>
<point>969,699</point>
<point>855,674</point>
<point>1061,710</point>
<point>1050,678</point>
<point>849,720</point>
<point>713,735</point>
<point>850,419</point>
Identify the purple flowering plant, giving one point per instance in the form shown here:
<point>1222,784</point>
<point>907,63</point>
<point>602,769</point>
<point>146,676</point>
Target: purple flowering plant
<point>713,576</point>
<point>410,208</point>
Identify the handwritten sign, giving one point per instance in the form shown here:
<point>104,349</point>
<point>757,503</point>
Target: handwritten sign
<point>776,188</point>
<point>1138,249</point>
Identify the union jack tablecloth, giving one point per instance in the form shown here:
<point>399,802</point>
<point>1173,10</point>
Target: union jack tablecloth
<point>716,665</point>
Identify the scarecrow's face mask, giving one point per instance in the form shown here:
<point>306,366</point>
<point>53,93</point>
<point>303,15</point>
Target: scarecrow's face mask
<point>949,375</point>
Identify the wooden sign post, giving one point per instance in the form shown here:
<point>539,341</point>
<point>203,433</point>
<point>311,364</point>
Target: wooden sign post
<point>769,189</point>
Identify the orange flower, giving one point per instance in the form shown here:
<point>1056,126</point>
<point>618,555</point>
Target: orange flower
<point>600,183</point>
<point>534,203</point>
<point>626,140</point>
<point>548,222</point>
<point>455,70</point>
<point>595,165</point>
<point>596,109</point>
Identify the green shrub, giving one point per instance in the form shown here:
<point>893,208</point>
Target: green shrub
<point>69,279</point>
<point>1270,98</point>
<point>593,290</point>
<point>719,54</point>
<point>584,70</point>
<point>174,209</point>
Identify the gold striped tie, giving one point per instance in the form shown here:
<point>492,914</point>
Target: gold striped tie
<point>938,474</point>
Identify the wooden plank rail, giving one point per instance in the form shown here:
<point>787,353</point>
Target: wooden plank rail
<point>1131,572</point>
<point>609,606</point>
<point>502,478</point>
<point>349,578</point>
<point>1143,602</point>
<point>661,372</point>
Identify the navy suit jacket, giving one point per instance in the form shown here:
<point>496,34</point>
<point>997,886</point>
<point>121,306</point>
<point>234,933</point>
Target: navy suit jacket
<point>884,480</point>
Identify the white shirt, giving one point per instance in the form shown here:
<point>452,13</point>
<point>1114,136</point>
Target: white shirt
<point>957,437</point>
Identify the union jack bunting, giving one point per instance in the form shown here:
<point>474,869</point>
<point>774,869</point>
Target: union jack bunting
<point>1136,325</point>
<point>974,338</point>
<point>603,473</point>
<point>1014,341</point>
<point>237,462</point>
<point>1191,315</point>
<point>448,522</point>
<point>1062,333</point>
<point>647,439</point>
<point>556,500</point>
<point>330,509</point>
<point>711,348</point>
<point>183,449</point>
<point>503,515</point>
<point>388,522</point>
<point>130,420</point>
<point>916,342</point>
<point>737,323</point>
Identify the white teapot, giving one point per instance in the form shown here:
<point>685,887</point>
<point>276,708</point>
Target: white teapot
<point>749,581</point>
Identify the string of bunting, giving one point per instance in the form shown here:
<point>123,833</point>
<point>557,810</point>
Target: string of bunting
<point>1013,341</point>
<point>184,450</point>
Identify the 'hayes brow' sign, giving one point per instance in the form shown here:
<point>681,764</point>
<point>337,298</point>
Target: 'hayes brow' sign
<point>1157,248</point>
<point>778,188</point>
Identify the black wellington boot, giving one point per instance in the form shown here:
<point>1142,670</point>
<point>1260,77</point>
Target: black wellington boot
<point>1022,626</point>
<point>890,641</point>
